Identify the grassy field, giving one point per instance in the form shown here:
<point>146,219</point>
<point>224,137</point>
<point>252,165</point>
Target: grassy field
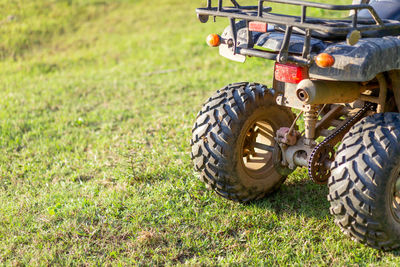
<point>97,101</point>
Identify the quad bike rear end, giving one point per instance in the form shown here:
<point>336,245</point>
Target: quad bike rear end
<point>343,78</point>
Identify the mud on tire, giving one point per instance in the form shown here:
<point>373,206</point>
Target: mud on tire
<point>217,140</point>
<point>362,188</point>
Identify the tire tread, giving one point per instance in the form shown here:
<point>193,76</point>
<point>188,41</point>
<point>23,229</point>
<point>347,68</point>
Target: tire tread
<point>358,176</point>
<point>214,131</point>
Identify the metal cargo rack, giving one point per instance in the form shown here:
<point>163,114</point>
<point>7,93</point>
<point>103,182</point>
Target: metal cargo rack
<point>309,25</point>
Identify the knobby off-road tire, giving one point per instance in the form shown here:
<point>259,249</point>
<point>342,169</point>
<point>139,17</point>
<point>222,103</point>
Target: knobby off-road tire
<point>219,135</point>
<point>362,185</point>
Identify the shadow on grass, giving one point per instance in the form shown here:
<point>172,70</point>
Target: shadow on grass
<point>301,197</point>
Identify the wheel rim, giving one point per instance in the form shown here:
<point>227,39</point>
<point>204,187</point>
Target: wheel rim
<point>395,206</point>
<point>257,148</point>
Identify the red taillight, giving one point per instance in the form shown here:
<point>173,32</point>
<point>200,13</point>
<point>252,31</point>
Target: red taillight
<point>290,73</point>
<point>256,26</point>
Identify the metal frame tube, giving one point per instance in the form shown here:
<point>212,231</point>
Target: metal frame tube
<point>382,93</point>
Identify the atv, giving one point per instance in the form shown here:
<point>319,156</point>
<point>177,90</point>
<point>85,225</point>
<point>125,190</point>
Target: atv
<point>342,78</point>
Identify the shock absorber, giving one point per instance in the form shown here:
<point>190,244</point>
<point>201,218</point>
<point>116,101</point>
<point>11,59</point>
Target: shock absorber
<point>310,122</point>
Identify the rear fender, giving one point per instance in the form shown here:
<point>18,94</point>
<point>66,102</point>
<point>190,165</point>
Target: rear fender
<point>228,51</point>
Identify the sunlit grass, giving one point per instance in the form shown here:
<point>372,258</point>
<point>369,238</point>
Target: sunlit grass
<point>97,101</point>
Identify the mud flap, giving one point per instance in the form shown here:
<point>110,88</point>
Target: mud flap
<point>227,52</point>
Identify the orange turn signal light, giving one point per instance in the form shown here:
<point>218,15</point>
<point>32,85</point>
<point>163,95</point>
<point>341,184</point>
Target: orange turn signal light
<point>213,40</point>
<point>324,60</point>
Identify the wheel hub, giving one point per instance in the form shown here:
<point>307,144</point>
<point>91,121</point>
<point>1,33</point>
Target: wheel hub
<point>258,145</point>
<point>250,139</point>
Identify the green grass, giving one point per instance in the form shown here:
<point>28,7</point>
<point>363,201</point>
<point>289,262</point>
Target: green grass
<point>97,101</point>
